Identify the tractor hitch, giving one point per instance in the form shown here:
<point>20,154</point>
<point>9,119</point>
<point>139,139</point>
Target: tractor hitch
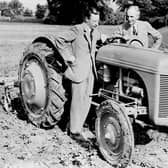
<point>9,91</point>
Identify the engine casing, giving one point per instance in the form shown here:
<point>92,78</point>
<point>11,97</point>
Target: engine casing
<point>152,68</point>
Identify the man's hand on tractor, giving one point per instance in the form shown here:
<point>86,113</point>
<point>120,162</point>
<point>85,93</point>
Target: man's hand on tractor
<point>116,39</point>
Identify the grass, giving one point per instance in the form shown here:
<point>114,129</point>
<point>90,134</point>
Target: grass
<point>20,19</point>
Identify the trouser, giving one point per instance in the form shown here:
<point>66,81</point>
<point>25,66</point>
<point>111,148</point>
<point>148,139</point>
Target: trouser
<point>80,103</point>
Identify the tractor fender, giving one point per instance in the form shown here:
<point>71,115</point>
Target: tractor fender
<point>48,40</point>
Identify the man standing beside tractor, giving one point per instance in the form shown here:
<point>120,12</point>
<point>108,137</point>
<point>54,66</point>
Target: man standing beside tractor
<point>133,28</point>
<point>81,70</point>
<point>77,47</point>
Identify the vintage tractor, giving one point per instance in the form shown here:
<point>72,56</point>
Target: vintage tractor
<point>132,84</point>
<point>133,81</point>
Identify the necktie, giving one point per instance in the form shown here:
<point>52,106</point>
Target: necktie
<point>134,32</point>
<point>91,35</point>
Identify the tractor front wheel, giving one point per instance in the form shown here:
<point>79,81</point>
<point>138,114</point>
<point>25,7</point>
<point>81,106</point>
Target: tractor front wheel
<point>114,134</point>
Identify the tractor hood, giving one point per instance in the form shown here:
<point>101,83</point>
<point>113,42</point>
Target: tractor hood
<point>144,59</point>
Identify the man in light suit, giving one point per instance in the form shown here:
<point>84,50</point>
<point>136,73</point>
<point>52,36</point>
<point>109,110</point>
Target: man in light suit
<point>134,28</point>
<point>77,46</point>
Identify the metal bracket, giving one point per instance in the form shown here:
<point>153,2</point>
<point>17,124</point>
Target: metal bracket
<point>8,84</point>
<point>131,108</point>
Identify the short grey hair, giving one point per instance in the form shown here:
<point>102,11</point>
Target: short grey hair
<point>136,9</point>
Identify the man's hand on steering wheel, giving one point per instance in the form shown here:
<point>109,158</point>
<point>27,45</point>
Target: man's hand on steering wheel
<point>116,39</point>
<point>124,39</point>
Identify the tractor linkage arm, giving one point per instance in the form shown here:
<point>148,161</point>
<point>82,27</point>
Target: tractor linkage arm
<point>8,86</point>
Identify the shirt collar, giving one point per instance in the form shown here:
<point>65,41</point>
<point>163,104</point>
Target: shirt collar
<point>86,28</point>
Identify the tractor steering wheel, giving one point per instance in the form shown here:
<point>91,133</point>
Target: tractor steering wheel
<point>136,43</point>
<point>117,39</point>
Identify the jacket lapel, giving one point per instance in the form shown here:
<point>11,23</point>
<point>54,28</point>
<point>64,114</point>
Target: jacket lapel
<point>87,35</point>
<point>90,45</point>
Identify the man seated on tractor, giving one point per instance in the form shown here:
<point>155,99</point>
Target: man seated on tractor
<point>133,28</point>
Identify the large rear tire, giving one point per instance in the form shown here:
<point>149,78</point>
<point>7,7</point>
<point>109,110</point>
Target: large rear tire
<point>114,134</point>
<point>41,91</point>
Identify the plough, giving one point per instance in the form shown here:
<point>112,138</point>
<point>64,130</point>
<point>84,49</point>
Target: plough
<point>9,90</point>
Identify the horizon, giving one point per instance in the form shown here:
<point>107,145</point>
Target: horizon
<point>30,4</point>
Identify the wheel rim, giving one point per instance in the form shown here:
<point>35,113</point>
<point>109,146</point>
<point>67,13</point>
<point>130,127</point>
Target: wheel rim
<point>136,43</point>
<point>34,86</point>
<point>111,135</point>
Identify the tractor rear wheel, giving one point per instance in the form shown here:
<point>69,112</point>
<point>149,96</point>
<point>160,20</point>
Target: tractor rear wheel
<point>114,134</point>
<point>41,91</point>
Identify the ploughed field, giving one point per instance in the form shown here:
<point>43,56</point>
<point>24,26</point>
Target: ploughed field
<point>24,145</point>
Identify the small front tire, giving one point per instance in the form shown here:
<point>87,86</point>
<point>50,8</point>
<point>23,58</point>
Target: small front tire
<point>114,134</point>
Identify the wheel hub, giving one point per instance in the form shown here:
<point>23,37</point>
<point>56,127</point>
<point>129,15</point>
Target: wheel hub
<point>28,85</point>
<point>33,86</point>
<point>110,134</point>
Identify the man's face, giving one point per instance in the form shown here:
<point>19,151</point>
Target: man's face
<point>93,21</point>
<point>132,16</point>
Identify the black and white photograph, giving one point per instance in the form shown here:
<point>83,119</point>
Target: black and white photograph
<point>83,83</point>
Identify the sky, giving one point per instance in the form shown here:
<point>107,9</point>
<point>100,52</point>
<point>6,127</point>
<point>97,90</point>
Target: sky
<point>31,4</point>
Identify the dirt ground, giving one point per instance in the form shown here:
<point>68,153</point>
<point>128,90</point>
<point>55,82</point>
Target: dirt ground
<point>22,145</point>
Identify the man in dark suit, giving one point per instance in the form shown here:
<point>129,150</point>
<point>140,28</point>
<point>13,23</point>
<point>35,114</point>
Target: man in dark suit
<point>78,46</point>
<point>134,28</point>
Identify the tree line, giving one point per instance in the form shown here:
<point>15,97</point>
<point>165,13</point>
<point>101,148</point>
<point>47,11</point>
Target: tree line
<point>15,8</point>
<point>70,11</point>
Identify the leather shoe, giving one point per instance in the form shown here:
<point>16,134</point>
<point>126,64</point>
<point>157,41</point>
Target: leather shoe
<point>78,137</point>
<point>88,134</point>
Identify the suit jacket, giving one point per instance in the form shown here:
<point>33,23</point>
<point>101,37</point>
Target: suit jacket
<point>143,29</point>
<point>76,42</point>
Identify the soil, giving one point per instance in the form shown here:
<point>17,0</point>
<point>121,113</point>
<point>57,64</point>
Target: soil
<point>23,145</point>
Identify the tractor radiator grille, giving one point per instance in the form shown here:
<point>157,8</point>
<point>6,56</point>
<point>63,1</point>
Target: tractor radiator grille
<point>163,104</point>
